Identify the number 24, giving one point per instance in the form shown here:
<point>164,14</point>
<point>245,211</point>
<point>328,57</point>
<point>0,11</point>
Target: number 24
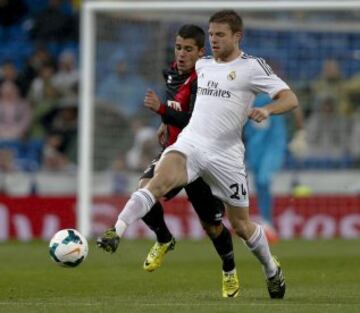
<point>235,187</point>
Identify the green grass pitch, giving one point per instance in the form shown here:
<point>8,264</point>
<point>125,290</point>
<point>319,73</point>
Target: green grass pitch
<point>321,276</point>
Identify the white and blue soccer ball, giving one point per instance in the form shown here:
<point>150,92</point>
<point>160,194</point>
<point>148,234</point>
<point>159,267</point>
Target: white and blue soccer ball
<point>68,248</point>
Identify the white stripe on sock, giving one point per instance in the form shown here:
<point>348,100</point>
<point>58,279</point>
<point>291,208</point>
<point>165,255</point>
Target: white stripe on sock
<point>259,246</point>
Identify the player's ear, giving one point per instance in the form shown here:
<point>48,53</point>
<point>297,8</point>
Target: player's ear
<point>238,36</point>
<point>201,52</point>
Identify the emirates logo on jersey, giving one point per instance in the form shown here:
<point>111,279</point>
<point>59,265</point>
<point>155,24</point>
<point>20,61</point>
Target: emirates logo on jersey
<point>213,90</point>
<point>231,75</point>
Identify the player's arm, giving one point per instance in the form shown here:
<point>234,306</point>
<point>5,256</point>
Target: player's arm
<point>169,115</point>
<point>175,118</point>
<point>162,134</point>
<point>284,101</point>
<point>179,118</point>
<point>263,79</point>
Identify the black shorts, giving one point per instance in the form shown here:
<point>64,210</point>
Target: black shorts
<point>209,208</point>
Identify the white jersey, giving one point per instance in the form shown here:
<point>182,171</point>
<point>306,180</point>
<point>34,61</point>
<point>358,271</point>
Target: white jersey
<point>224,98</point>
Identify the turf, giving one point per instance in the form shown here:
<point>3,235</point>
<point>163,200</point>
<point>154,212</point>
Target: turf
<point>322,276</point>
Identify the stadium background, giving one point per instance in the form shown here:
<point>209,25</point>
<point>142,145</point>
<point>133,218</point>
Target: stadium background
<point>317,194</point>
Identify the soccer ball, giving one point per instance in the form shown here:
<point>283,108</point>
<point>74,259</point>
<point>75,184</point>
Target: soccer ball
<point>68,248</point>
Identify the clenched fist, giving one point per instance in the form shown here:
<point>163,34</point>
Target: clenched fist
<point>152,101</point>
<point>259,114</point>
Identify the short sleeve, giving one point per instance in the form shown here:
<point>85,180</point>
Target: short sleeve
<point>263,79</point>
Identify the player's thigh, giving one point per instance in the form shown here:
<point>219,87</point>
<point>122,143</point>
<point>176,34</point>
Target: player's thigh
<point>209,208</point>
<point>149,173</point>
<point>188,156</point>
<point>172,165</point>
<point>170,172</point>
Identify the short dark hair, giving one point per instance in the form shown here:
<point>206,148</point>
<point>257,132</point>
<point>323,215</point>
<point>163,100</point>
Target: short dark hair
<point>229,17</point>
<point>190,31</point>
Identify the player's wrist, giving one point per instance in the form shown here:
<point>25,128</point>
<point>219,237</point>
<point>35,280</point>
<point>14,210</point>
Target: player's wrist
<point>268,110</point>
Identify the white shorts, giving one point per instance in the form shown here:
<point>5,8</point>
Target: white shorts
<point>226,177</point>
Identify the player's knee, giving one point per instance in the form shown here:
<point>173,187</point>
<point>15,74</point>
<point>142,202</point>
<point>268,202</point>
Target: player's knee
<point>213,231</point>
<point>142,183</point>
<point>160,185</point>
<point>241,228</point>
<point>169,180</point>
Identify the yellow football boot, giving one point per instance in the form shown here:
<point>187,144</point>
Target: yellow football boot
<point>156,255</point>
<point>231,285</point>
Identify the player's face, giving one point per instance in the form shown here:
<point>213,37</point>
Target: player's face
<point>186,54</point>
<point>224,43</point>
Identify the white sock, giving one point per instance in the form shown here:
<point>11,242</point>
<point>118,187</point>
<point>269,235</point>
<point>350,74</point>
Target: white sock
<point>140,203</point>
<point>120,227</point>
<point>260,248</point>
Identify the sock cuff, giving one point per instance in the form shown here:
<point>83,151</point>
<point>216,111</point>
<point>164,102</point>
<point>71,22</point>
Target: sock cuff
<point>233,271</point>
<point>146,195</point>
<point>255,237</point>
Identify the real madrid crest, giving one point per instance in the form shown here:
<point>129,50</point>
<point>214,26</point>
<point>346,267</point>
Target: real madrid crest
<point>231,75</point>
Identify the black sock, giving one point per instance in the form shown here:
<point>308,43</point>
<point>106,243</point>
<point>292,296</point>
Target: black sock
<point>224,247</point>
<point>155,220</point>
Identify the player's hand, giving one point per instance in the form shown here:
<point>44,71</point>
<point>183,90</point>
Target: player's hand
<point>259,114</point>
<point>162,134</point>
<point>298,145</point>
<point>152,101</point>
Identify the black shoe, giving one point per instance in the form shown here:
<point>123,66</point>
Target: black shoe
<point>109,241</point>
<point>276,284</point>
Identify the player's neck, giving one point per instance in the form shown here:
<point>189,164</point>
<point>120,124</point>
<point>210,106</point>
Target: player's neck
<point>182,72</point>
<point>231,57</point>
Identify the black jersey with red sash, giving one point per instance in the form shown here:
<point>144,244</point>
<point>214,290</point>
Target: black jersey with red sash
<point>180,99</point>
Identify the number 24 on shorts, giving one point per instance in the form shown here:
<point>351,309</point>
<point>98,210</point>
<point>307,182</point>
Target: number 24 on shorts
<point>236,188</point>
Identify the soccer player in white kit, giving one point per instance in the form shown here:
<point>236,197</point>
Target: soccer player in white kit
<point>211,144</point>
